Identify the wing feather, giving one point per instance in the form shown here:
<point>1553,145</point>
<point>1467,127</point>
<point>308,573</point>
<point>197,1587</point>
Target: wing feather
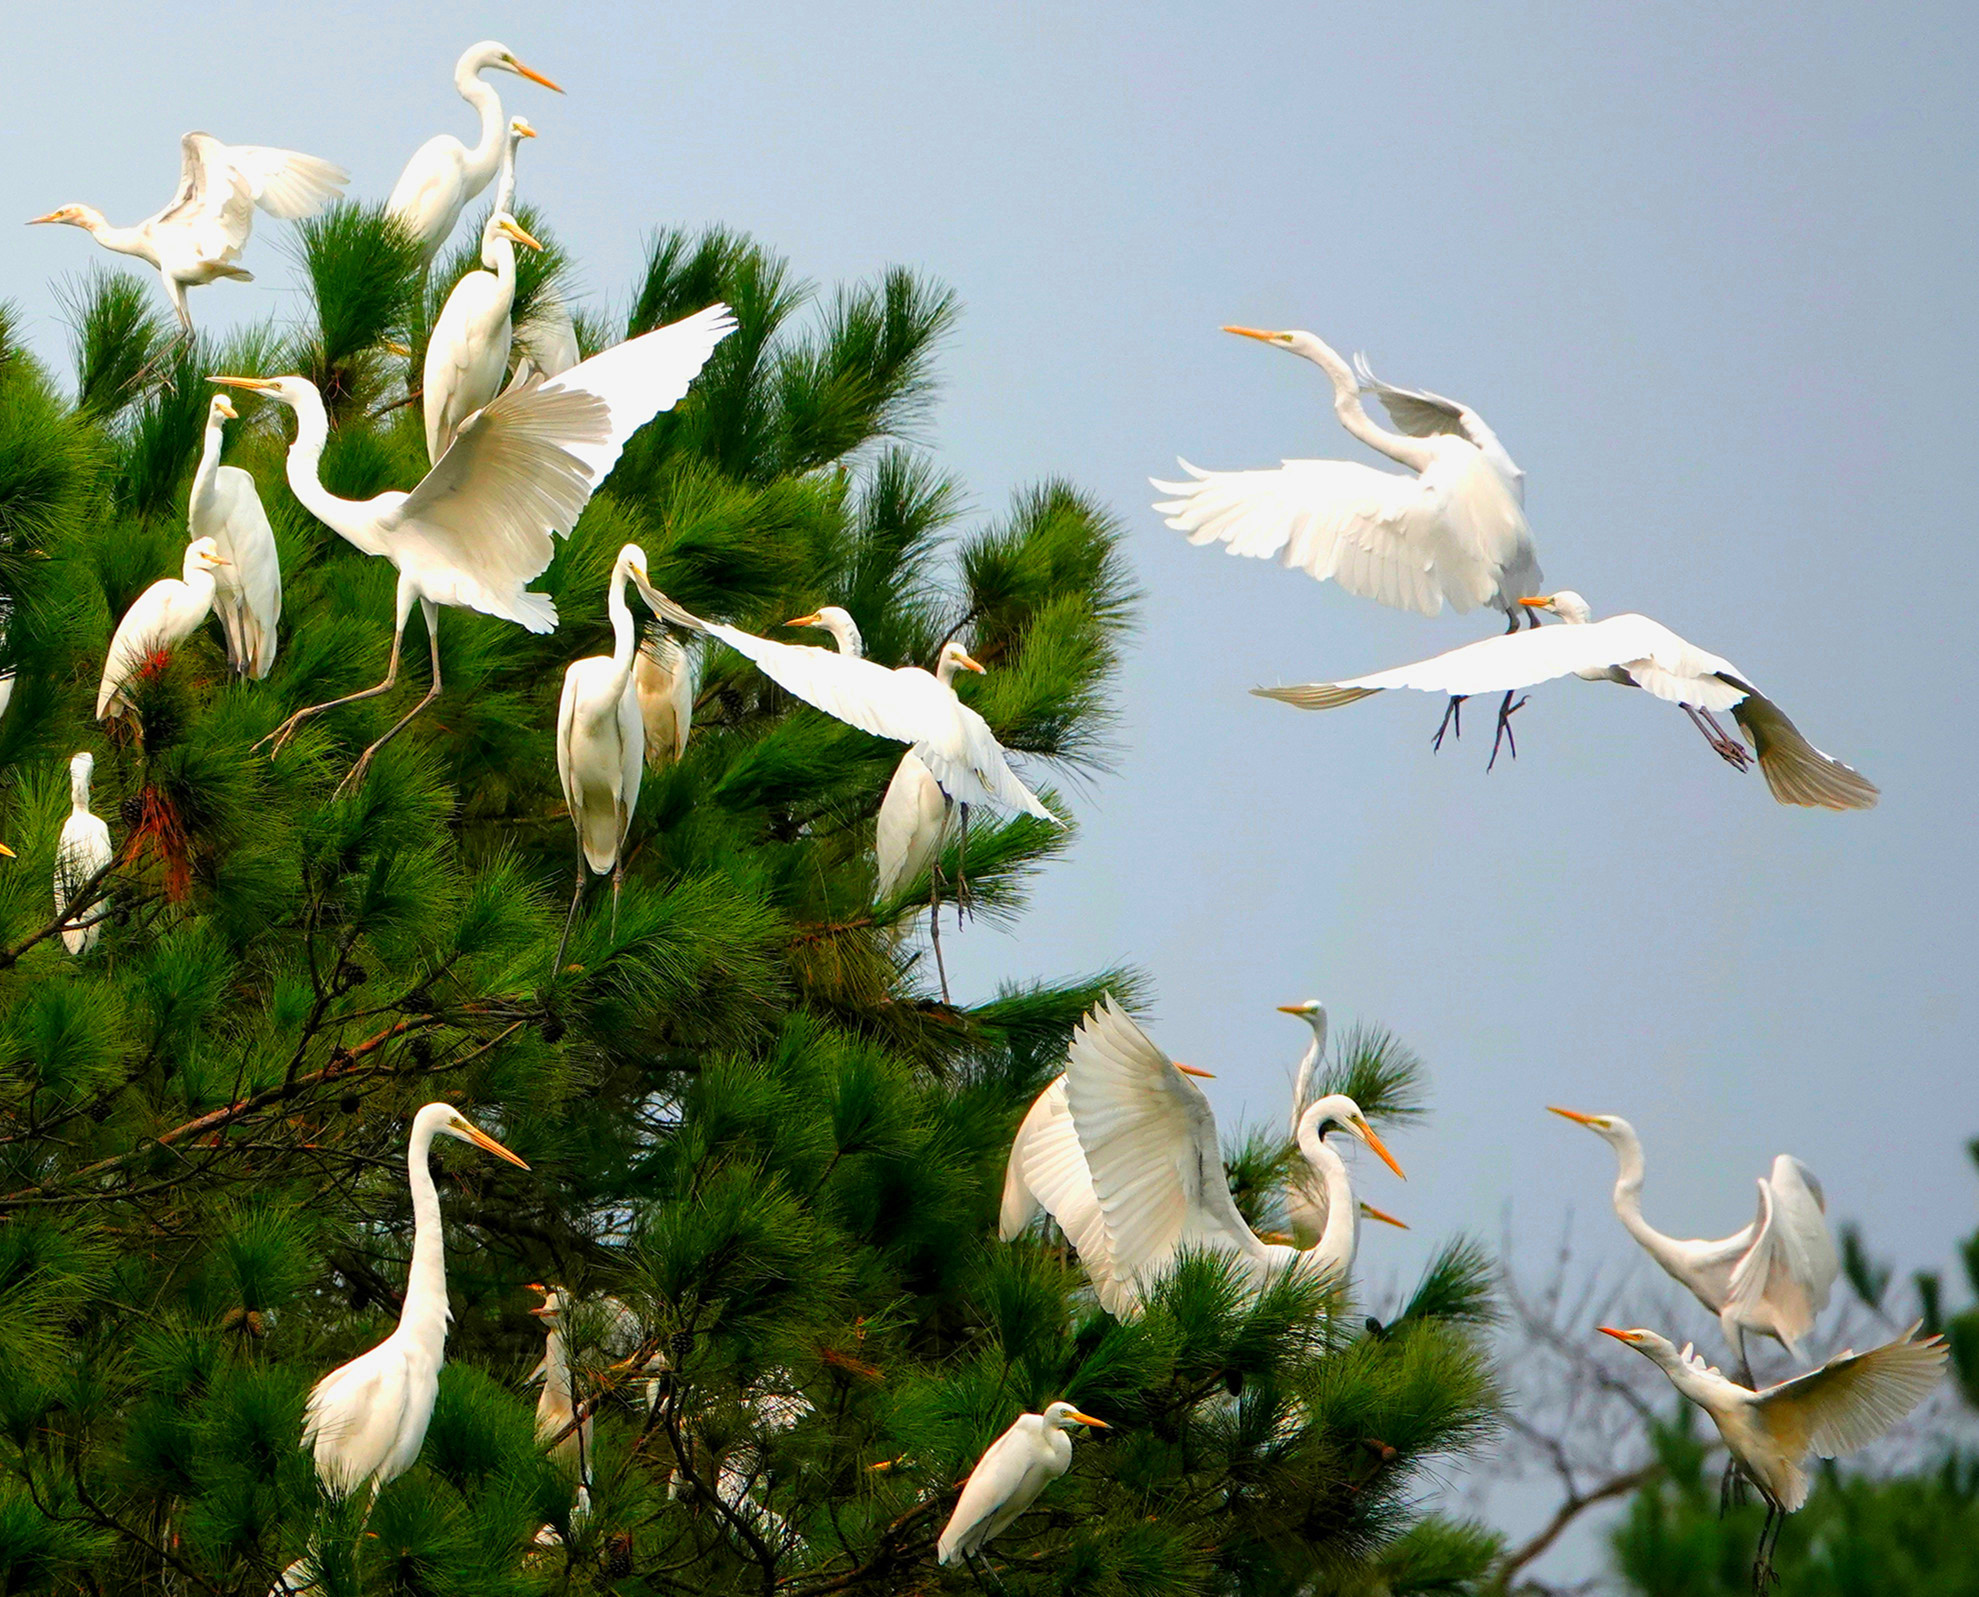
<point>1853,1398</point>
<point>1795,770</point>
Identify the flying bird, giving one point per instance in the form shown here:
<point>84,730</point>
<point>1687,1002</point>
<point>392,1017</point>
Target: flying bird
<point>158,621</point>
<point>1452,533</point>
<point>1019,1465</point>
<point>200,235</point>
<point>478,528</point>
<point>80,857</point>
<point>365,1420</point>
<point>1771,1278</point>
<point>1635,652</point>
<point>1846,1404</point>
<point>444,174</point>
<point>247,590</point>
<point>467,355</point>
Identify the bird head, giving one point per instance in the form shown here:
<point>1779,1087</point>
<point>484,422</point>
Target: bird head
<point>82,766</point>
<point>1337,1112</point>
<point>1566,604</point>
<point>222,409</point>
<point>953,658</point>
<point>1063,1416</point>
<point>491,56</point>
<point>1311,1011</point>
<point>508,227</point>
<point>632,562</point>
<point>1647,1343</point>
<point>1292,340</point>
<point>203,554</point>
<point>519,128</point>
<point>827,616</point>
<point>291,390</point>
<point>75,215</point>
<point>1610,1127</point>
<point>446,1120</point>
<point>550,1311</point>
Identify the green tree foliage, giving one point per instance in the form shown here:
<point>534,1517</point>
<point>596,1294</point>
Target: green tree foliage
<point>749,1117</point>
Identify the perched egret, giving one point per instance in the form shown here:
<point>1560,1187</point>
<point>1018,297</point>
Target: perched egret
<point>158,621</point>
<point>556,1407</point>
<point>479,526</point>
<point>547,338</point>
<point>601,743</point>
<point>1313,1013</point>
<point>663,678</point>
<point>1771,1278</point>
<point>200,235</point>
<point>1453,533</point>
<point>80,856</point>
<point>365,1420</point>
<point>518,130</point>
<point>247,590</point>
<point>1154,1166</point>
<point>1847,1403</point>
<point>467,356</point>
<point>444,174</point>
<point>1636,652</point>
<point>1019,1465</point>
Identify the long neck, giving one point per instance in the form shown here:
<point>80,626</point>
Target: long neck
<point>1308,1069</point>
<point>124,240</point>
<point>209,464</point>
<point>505,183</point>
<point>79,792</point>
<point>1343,1216</point>
<point>426,1313</point>
<point>556,1377</point>
<point>304,467</point>
<point>625,636</point>
<point>1628,1194</point>
<point>1411,452</point>
<point>486,154</point>
<point>846,635</point>
<point>498,255</point>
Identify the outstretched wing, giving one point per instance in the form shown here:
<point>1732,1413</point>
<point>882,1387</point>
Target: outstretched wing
<point>1784,1279</point>
<point>285,183</point>
<point>1853,1398</point>
<point>1047,1171</point>
<point>1422,414</point>
<point>1795,770</point>
<point>214,197</point>
<point>1648,653</point>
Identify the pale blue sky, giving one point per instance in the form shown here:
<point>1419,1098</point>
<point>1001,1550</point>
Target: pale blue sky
<point>1706,270</point>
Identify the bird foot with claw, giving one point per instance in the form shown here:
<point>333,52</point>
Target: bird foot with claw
<point>1504,733</point>
<point>1453,721</point>
<point>278,739</point>
<point>355,780</point>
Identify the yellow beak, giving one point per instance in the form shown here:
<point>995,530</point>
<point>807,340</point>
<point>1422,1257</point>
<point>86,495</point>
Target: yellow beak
<point>968,664</point>
<point>1572,1114</point>
<point>1292,1009</point>
<point>514,230</point>
<point>1619,1336</point>
<point>8,852</point>
<point>52,216</point>
<point>521,126</point>
<point>1087,1419</point>
<point>481,1139</point>
<point>1253,332</point>
<point>812,620</point>
<point>1370,1212</point>
<point>532,74</point>
<point>253,384</point>
<point>1190,1070</point>
<point>1381,1151</point>
<point>223,407</point>
<point>1537,603</point>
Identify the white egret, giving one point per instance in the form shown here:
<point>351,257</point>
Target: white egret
<point>200,235</point>
<point>1007,1479</point>
<point>556,1407</point>
<point>444,174</point>
<point>479,525</point>
<point>518,130</point>
<point>1453,533</point>
<point>467,354</point>
<point>1155,1164</point>
<point>80,856</point>
<point>663,678</point>
<point>158,621</point>
<point>365,1420</point>
<point>247,591</point>
<point>1770,1278</point>
<point>1313,1013</point>
<point>1847,1403</point>
<point>547,337</point>
<point>601,743</point>
<point>912,706</point>
<point>1636,652</point>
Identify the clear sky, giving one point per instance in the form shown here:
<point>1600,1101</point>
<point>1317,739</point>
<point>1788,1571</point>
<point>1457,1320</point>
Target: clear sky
<point>1707,271</point>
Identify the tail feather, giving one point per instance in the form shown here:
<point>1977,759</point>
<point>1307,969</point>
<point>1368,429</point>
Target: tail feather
<point>1795,770</point>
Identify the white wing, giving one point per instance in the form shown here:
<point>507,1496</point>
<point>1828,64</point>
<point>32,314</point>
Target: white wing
<point>1649,654</point>
<point>285,183</point>
<point>1150,1142</point>
<point>1853,1398</point>
<point>215,199</point>
<point>1795,770</point>
<point>664,680</point>
<point>1784,1280</point>
<point>254,573</point>
<point>1422,414</point>
<point>355,1415</point>
<point>912,818</point>
<point>84,850</point>
<point>1047,1171</point>
<point>158,621</point>
<point>479,525</point>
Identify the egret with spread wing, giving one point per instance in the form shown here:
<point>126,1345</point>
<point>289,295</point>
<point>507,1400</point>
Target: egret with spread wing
<point>444,174</point>
<point>1638,653</point>
<point>1847,1403</point>
<point>479,526</point>
<point>158,621</point>
<point>1453,533</point>
<point>1007,1479</point>
<point>200,235</point>
<point>1771,1278</point>
<point>247,591</point>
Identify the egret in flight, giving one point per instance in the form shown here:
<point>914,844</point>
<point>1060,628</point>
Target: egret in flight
<point>247,591</point>
<point>478,527</point>
<point>201,234</point>
<point>1846,1404</point>
<point>444,174</point>
<point>1638,653</point>
<point>80,857</point>
<point>158,621</point>
<point>467,355</point>
<point>1019,1465</point>
<point>601,743</point>
<point>365,1420</point>
<point>1454,532</point>
<point>1771,1278</point>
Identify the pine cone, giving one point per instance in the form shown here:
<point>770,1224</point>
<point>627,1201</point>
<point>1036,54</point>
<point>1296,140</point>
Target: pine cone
<point>617,1557</point>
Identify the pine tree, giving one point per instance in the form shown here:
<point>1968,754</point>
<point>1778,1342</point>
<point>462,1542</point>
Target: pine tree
<point>765,1155</point>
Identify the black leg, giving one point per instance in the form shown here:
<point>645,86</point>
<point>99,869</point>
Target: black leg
<point>1504,732</point>
<point>1727,748</point>
<point>576,898</point>
<point>934,924</point>
<point>1453,721</point>
<point>964,899</point>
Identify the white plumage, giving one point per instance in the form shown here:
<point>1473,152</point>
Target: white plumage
<point>1007,1479</point>
<point>1454,533</point>
<point>1771,1277</point>
<point>82,851</point>
<point>366,1420</point>
<point>200,235</point>
<point>1636,652</point>
<point>912,821</point>
<point>663,679</point>
<point>467,354</point>
<point>158,621</point>
<point>444,174</point>
<point>481,525</point>
<point>247,591</point>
